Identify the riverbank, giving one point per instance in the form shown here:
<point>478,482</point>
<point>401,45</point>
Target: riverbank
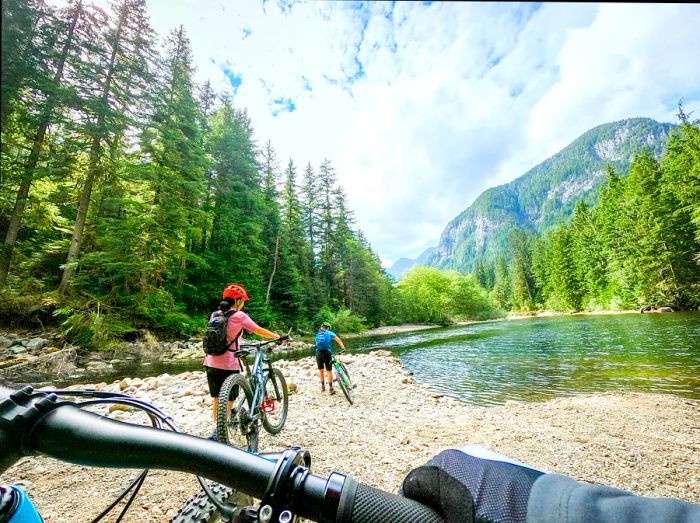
<point>408,327</point>
<point>649,444</point>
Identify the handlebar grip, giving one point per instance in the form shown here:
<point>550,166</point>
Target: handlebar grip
<point>360,503</point>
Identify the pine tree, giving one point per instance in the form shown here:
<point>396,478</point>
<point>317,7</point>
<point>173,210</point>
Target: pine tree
<point>328,262</point>
<point>124,77</point>
<point>51,96</point>
<point>176,166</point>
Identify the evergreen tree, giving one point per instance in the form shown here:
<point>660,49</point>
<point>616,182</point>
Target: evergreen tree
<point>51,94</point>
<point>176,166</point>
<point>124,77</point>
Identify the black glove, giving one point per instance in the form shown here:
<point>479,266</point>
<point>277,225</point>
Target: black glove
<point>283,337</point>
<point>466,488</point>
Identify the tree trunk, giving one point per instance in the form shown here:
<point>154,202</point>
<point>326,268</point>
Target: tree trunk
<point>274,269</point>
<point>37,144</point>
<point>93,168</point>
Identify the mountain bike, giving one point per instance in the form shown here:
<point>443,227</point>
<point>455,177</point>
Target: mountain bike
<point>40,422</point>
<point>247,400</point>
<point>343,378</point>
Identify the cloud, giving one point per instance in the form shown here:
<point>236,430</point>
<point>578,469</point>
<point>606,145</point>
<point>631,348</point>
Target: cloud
<point>422,106</point>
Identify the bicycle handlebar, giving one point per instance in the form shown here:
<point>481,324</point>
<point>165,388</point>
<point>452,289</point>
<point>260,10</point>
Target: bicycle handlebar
<point>33,422</point>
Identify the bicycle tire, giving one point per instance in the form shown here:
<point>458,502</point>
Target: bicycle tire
<point>235,427</point>
<point>344,381</point>
<point>277,376</point>
<point>200,509</point>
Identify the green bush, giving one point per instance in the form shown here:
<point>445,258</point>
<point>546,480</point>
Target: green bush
<point>345,321</point>
<point>92,329</point>
<point>430,295</point>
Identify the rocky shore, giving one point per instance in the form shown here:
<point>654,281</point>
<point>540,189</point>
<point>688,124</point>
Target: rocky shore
<point>648,444</point>
<point>41,357</point>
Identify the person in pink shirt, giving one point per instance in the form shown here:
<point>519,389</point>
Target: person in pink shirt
<point>220,367</point>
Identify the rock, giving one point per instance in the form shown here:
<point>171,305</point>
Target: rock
<point>136,382</point>
<point>381,353</point>
<point>19,349</point>
<point>5,343</point>
<point>164,380</point>
<point>117,407</point>
<point>36,343</point>
<point>405,440</point>
<point>292,387</point>
<point>124,384</point>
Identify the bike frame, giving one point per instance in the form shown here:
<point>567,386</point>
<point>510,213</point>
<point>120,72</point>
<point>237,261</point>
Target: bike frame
<point>258,376</point>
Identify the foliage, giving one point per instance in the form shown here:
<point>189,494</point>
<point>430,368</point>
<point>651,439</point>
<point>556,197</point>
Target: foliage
<point>346,321</point>
<point>134,195</point>
<point>429,295</point>
<point>638,246</point>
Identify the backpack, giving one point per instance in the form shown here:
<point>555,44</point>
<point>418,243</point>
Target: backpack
<point>214,341</point>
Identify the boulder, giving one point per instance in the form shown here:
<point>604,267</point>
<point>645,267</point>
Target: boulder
<point>36,343</point>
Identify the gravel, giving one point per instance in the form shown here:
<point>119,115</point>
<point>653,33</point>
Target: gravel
<point>646,443</point>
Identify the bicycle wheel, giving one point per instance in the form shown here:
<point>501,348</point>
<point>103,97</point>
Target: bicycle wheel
<point>200,509</point>
<point>233,422</point>
<point>275,402</point>
<point>344,382</point>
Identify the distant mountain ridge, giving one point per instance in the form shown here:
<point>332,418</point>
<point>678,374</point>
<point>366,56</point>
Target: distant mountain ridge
<point>402,265</point>
<point>547,193</point>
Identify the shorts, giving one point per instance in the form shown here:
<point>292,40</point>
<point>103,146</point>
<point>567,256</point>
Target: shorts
<point>216,378</point>
<point>323,358</point>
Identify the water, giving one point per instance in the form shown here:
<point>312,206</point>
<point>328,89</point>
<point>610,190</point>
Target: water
<point>530,360</point>
<point>541,358</point>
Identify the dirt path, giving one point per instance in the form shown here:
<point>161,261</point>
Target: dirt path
<point>649,444</point>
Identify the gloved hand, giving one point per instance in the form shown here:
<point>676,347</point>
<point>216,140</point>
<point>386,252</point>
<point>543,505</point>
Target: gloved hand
<point>283,337</point>
<point>465,487</point>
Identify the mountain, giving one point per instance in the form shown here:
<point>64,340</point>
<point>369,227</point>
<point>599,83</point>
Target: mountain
<point>546,194</point>
<point>404,264</point>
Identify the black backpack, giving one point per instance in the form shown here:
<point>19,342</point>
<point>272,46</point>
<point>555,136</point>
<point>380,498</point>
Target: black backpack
<point>214,342</point>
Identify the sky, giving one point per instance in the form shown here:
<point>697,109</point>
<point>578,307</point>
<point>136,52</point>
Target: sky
<point>422,106</point>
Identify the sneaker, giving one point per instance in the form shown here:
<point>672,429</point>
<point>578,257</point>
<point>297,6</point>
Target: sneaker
<point>331,390</point>
<point>323,387</point>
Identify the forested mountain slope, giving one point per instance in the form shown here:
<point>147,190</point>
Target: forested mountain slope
<point>547,194</point>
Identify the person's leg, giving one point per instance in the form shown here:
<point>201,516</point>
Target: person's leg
<point>329,375</point>
<point>215,379</point>
<point>319,364</point>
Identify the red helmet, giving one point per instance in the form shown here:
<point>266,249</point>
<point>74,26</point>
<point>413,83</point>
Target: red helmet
<point>233,292</point>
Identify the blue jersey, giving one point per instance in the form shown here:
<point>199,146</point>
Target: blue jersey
<point>324,340</point>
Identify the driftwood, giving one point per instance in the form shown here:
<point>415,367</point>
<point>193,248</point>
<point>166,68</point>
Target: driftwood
<point>652,308</point>
<point>59,364</point>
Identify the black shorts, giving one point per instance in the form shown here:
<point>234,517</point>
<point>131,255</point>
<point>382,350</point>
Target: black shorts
<point>216,378</point>
<point>323,358</point>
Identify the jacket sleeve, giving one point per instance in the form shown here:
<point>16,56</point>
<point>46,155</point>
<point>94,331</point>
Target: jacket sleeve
<point>559,498</point>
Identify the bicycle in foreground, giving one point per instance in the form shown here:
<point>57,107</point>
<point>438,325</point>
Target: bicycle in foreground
<point>40,422</point>
<point>343,378</point>
<point>246,401</point>
<point>460,485</point>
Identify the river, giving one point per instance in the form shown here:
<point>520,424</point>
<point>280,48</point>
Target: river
<point>540,358</point>
<point>532,359</point>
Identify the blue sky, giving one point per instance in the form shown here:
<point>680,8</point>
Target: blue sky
<point>422,106</point>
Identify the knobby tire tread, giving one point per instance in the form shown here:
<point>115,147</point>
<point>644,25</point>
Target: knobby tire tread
<point>200,509</point>
<point>282,387</point>
<point>344,381</point>
<point>224,397</point>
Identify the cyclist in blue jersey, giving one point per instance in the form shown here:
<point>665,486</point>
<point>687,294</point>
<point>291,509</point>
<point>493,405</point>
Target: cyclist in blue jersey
<point>324,341</point>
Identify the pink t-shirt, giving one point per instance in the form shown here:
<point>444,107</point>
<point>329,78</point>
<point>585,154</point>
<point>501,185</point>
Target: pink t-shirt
<point>227,361</point>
